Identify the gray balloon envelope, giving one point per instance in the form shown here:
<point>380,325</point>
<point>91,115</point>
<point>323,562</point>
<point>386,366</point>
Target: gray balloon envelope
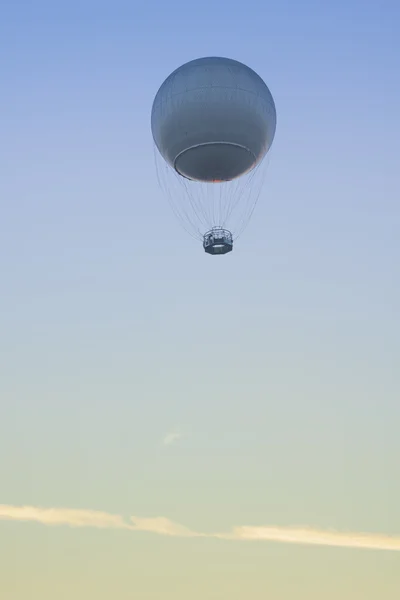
<point>213,119</point>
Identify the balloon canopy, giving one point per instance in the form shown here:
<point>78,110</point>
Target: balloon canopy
<point>213,119</point>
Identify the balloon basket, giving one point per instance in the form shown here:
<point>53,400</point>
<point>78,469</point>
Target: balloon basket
<point>218,241</point>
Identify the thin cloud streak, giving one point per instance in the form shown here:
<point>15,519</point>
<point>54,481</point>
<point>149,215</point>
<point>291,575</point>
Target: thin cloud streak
<point>315,537</point>
<point>163,526</point>
<point>62,516</point>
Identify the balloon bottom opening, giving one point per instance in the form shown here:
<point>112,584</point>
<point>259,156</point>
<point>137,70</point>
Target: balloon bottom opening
<point>214,162</point>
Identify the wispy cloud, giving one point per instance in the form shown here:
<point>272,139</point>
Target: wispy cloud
<point>63,516</point>
<point>163,526</point>
<point>316,537</point>
<point>171,437</point>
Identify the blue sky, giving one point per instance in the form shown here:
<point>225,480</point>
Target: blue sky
<point>278,362</point>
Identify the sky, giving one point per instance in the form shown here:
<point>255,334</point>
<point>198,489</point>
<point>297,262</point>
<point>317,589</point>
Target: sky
<point>175,425</point>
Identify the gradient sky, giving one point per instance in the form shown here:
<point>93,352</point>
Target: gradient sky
<point>278,363</point>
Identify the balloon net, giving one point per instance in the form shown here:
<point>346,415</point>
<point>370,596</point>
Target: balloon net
<point>200,206</point>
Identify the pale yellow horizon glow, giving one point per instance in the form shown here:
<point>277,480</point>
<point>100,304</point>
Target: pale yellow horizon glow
<point>163,526</point>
